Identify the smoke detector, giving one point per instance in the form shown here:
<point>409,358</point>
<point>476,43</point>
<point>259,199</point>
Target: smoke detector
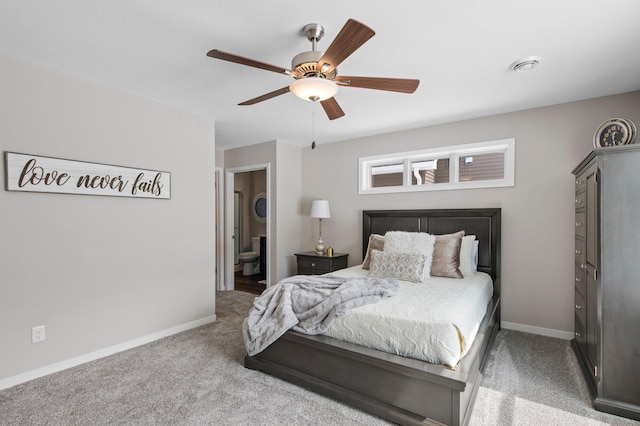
<point>525,64</point>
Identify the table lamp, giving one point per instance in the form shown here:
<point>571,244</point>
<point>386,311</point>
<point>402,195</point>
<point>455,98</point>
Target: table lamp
<point>320,210</point>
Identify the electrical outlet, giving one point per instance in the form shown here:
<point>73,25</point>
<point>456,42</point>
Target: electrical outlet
<point>37,334</point>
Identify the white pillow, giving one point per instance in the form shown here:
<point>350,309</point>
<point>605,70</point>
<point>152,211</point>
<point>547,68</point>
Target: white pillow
<point>411,242</point>
<point>474,262</point>
<point>469,255</point>
<point>402,266</point>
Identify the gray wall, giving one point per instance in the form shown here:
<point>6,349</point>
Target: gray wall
<point>289,218</point>
<point>99,271</point>
<point>537,214</point>
<point>285,221</point>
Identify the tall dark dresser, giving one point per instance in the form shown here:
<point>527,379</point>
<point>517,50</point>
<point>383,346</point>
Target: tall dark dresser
<point>607,277</point>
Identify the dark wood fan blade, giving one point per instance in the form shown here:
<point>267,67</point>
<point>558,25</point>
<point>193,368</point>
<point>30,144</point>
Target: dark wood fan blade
<point>266,96</point>
<point>353,35</point>
<point>225,56</point>
<point>403,85</point>
<point>332,108</point>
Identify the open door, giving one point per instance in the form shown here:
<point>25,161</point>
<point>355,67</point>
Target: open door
<point>229,236</point>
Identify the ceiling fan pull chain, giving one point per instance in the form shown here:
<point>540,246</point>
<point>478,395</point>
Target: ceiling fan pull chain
<point>313,129</point>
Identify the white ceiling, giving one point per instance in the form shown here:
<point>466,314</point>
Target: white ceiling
<point>459,49</point>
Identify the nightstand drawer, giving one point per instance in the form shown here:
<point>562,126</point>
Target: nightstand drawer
<point>314,264</point>
<point>310,263</point>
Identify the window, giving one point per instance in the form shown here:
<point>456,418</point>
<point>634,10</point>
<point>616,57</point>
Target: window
<point>386,175</point>
<point>481,167</point>
<point>428,172</point>
<point>476,165</point>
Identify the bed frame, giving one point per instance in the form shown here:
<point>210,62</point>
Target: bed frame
<point>403,390</point>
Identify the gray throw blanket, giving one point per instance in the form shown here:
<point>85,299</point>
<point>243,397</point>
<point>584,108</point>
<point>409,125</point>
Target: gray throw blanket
<point>308,304</point>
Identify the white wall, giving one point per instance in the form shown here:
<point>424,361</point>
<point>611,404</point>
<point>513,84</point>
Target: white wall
<point>537,214</point>
<point>100,271</point>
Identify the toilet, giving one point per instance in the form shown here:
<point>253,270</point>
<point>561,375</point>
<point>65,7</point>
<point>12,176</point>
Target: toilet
<point>250,259</point>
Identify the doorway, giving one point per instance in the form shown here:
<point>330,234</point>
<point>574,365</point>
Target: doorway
<point>247,228</point>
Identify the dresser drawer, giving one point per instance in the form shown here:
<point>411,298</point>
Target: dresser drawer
<point>580,335</point>
<point>581,183</point>
<point>581,224</point>
<point>580,308</point>
<point>580,321</point>
<point>581,252</point>
<point>581,280</point>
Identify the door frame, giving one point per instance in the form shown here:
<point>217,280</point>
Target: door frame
<point>228,228</point>
<point>219,224</point>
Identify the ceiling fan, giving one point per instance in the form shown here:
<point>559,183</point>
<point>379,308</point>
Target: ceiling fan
<point>315,73</point>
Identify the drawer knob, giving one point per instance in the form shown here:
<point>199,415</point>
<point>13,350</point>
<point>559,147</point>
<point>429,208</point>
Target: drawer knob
<point>579,224</point>
<point>578,200</point>
<point>583,267</point>
<point>578,280</point>
<point>578,334</point>
<point>579,307</point>
<point>578,182</point>
<point>578,251</point>
<point>313,264</point>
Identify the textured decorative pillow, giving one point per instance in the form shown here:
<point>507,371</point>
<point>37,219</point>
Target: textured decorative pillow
<point>446,256</point>
<point>402,266</point>
<point>376,242</point>
<point>467,256</point>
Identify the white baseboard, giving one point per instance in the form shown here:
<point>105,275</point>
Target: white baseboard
<point>63,365</point>
<point>549,332</point>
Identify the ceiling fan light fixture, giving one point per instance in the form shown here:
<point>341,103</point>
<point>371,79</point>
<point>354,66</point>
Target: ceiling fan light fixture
<point>314,88</point>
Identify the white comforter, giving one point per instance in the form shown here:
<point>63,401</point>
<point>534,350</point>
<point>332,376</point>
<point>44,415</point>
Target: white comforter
<point>435,321</point>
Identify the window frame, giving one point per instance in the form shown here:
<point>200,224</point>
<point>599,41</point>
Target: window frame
<point>453,153</point>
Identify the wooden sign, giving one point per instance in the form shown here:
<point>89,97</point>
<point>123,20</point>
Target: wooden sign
<point>33,173</point>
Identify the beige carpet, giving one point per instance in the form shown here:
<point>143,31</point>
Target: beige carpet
<point>197,378</point>
<point>535,380</point>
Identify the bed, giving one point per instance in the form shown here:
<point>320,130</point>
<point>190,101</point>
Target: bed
<point>403,390</point>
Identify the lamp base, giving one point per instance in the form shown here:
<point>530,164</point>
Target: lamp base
<point>320,247</point>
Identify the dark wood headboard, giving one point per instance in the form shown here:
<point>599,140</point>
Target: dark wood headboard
<point>483,223</point>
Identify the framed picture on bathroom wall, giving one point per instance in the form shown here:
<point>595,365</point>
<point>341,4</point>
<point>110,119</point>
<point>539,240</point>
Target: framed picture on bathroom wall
<point>259,207</point>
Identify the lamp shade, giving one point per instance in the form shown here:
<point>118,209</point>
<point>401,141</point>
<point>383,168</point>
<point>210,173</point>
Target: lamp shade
<point>320,209</point>
<point>314,88</point>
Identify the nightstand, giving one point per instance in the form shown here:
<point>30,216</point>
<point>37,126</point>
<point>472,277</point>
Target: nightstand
<point>310,263</point>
